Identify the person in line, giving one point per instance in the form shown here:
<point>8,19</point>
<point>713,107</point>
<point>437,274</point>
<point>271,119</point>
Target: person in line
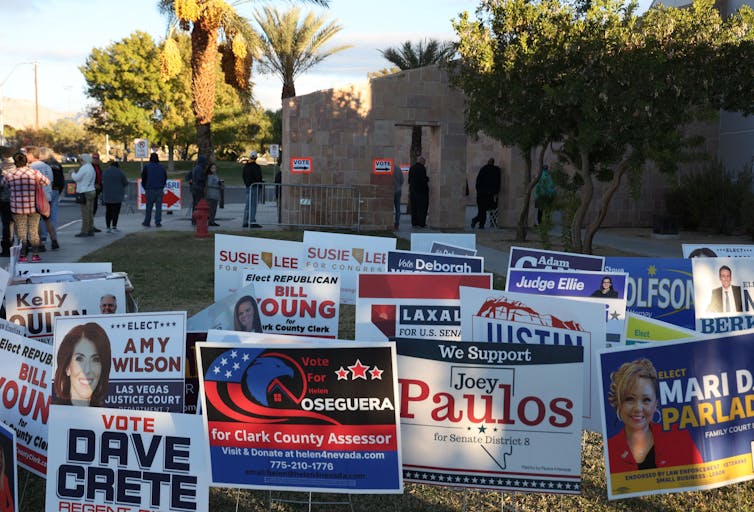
<point>213,193</point>
<point>22,182</point>
<point>108,304</point>
<point>5,213</point>
<point>418,193</point>
<point>58,186</point>
<point>606,290</point>
<point>197,183</point>
<point>725,298</point>
<point>83,360</point>
<point>397,190</point>
<point>114,183</point>
<point>544,194</point>
<point>251,173</point>
<point>46,226</point>
<point>642,443</point>
<point>97,186</point>
<point>85,178</point>
<point>246,315</point>
<point>7,501</point>
<point>153,179</point>
<point>487,189</point>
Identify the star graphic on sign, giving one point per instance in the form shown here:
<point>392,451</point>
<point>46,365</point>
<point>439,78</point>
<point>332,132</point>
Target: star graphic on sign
<point>615,315</point>
<point>482,429</point>
<point>358,370</point>
<point>376,374</point>
<point>652,270</point>
<point>342,373</point>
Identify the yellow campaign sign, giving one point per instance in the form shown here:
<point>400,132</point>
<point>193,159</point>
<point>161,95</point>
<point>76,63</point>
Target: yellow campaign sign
<point>644,329</point>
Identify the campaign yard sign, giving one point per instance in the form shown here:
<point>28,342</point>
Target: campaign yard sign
<point>423,242</point>
<point>25,386</point>
<point>145,367</point>
<point>440,248</point>
<point>302,417</point>
<point>526,257</point>
<point>608,288</point>
<point>419,305</point>
<point>9,477</point>
<point>407,261</point>
<point>645,329</point>
<point>723,289</point>
<point>24,269</point>
<point>36,306</point>
<point>347,255</point>
<point>171,196</point>
<point>497,317</point>
<point>481,415</point>
<point>696,405</point>
<point>234,254</point>
<point>661,288</point>
<point>296,303</point>
<point>126,461</point>
<point>717,251</point>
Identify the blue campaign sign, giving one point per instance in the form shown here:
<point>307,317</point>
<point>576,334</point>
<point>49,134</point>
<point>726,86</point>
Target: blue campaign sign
<point>406,261</point>
<point>661,288</point>
<point>523,257</point>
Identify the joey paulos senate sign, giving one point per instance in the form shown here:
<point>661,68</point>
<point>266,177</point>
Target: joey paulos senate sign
<point>482,415</point>
<point>111,460</point>
<point>299,417</point>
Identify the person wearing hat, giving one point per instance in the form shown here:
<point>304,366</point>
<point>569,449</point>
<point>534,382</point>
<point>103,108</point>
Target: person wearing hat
<point>252,174</point>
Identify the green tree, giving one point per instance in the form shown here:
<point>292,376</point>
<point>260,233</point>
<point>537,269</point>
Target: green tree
<point>416,55</point>
<point>208,21</point>
<point>290,45</point>
<point>614,89</point>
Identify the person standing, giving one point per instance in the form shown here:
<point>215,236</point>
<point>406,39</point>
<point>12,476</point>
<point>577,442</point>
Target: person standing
<point>252,173</point>
<point>58,186</point>
<point>213,192</point>
<point>5,213</point>
<point>97,187</point>
<point>397,189</point>
<point>114,183</point>
<point>198,182</point>
<point>487,188</point>
<point>23,181</point>
<point>85,178</point>
<point>418,193</point>
<point>46,226</point>
<point>153,179</point>
<point>544,194</point>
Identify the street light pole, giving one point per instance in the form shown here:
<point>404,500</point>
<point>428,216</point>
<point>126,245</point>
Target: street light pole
<point>2,109</point>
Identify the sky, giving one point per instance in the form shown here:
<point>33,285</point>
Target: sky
<point>60,34</point>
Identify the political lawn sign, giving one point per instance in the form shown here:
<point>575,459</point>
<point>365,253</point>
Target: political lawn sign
<point>407,261</point>
<point>36,306</point>
<point>147,357</point>
<point>481,415</point>
<point>9,476</point>
<point>579,285</point>
<point>723,289</point>
<point>699,414</point>
<point>234,254</point>
<point>496,317</point>
<point>26,385</point>
<point>441,248</point>
<point>302,417</point>
<point>62,269</point>
<point>296,303</point>
<point>418,305</point>
<point>126,461</point>
<point>717,251</point>
<point>171,196</point>
<point>645,329</point>
<point>347,255</point>
<point>525,257</point>
<point>661,288</point>
<point>423,242</point>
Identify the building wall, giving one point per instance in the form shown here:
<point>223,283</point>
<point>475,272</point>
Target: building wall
<point>343,130</point>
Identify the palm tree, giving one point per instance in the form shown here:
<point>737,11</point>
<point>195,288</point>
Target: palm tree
<point>208,21</point>
<point>418,55</point>
<point>290,46</point>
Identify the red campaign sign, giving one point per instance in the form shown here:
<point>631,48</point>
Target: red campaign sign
<point>171,199</point>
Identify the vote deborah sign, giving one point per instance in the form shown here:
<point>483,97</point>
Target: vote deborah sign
<point>302,417</point>
<point>126,461</point>
<point>482,415</point>
<point>406,261</point>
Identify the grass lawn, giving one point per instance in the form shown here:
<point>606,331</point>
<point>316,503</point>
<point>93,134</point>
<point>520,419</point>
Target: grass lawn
<point>184,280</point>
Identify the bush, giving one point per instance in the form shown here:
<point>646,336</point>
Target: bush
<point>713,199</point>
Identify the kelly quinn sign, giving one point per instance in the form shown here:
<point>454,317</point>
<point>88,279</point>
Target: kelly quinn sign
<point>300,417</point>
<point>482,415</point>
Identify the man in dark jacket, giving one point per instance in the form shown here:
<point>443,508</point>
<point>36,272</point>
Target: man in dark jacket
<point>487,187</point>
<point>252,174</point>
<point>153,179</point>
<point>418,193</point>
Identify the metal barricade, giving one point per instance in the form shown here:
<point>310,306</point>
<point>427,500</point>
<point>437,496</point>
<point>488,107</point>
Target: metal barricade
<point>306,205</point>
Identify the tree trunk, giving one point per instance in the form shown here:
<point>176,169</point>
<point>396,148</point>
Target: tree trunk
<point>289,90</point>
<point>523,219</point>
<point>595,224</point>
<point>587,191</point>
<point>171,160</point>
<point>416,143</point>
<point>203,63</point>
